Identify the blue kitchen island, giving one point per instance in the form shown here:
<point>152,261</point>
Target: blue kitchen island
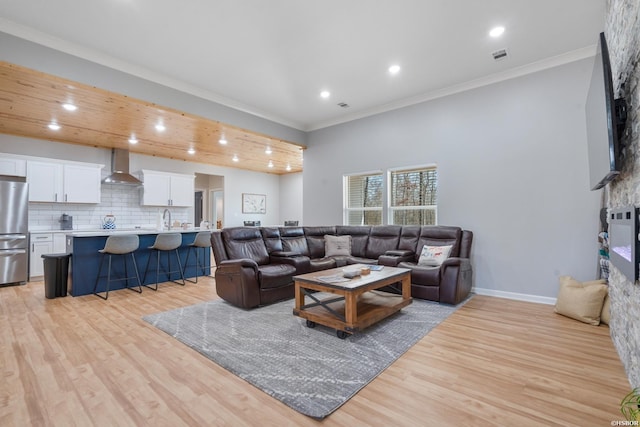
<point>85,260</point>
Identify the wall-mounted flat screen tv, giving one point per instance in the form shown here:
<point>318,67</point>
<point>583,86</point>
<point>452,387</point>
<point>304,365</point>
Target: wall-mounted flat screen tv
<point>605,119</point>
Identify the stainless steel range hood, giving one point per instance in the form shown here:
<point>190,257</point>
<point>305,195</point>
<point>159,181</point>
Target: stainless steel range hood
<point>120,169</point>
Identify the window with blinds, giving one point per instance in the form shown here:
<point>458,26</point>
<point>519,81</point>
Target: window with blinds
<point>363,199</point>
<point>413,196</point>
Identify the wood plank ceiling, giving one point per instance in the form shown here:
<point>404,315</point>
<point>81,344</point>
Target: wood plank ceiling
<point>30,100</point>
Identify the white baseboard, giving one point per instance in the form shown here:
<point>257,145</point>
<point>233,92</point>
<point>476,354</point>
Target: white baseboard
<point>514,295</point>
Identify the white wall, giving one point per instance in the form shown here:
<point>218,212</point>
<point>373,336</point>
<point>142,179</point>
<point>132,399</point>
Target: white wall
<point>512,167</point>
<point>291,191</point>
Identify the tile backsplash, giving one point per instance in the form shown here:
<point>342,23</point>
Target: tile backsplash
<point>122,201</point>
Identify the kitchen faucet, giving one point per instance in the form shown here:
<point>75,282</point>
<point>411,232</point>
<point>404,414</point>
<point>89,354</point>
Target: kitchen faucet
<point>167,211</point>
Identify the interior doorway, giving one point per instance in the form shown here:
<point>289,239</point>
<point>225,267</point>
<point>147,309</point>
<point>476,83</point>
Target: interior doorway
<point>197,208</point>
<point>217,209</point>
<point>204,206</point>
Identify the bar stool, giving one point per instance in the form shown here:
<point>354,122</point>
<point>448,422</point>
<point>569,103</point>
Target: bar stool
<point>165,242</point>
<point>123,244</point>
<point>202,241</point>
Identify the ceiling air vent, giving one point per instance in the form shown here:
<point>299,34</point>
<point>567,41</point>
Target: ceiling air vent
<point>343,105</point>
<point>499,55</point>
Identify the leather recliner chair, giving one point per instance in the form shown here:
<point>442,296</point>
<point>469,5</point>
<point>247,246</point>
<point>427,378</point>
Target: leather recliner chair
<point>248,276</point>
<point>427,282</point>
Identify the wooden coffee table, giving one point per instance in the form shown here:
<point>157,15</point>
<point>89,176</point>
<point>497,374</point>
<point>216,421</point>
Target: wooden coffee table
<point>354,306</point>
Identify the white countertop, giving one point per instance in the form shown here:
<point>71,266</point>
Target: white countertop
<point>138,231</point>
<point>102,232</point>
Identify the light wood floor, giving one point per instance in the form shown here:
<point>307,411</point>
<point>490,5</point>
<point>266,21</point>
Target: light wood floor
<point>83,362</point>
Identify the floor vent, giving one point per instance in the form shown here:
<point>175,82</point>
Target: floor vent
<point>499,55</point>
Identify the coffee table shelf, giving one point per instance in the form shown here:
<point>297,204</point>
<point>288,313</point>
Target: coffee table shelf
<point>353,305</point>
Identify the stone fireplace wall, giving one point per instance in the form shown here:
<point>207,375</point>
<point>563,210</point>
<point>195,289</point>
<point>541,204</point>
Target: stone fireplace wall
<point>622,31</point>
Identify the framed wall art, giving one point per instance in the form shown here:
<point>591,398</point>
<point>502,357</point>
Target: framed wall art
<point>254,203</point>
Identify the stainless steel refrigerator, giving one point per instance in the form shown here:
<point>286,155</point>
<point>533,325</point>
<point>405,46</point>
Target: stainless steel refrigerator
<point>14,225</point>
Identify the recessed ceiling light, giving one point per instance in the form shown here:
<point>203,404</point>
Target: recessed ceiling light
<point>325,94</point>
<point>133,139</point>
<point>235,158</point>
<point>69,107</point>
<point>496,32</point>
<point>288,167</point>
<point>160,127</point>
<point>270,164</point>
<point>394,69</point>
<point>268,150</point>
<point>222,141</point>
<point>191,151</point>
<point>54,126</point>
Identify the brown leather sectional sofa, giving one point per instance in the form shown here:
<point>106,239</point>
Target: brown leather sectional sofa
<point>256,265</point>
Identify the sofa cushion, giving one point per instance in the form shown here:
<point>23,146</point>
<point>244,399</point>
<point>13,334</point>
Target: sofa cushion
<point>315,239</point>
<point>337,245</point>
<point>382,238</point>
<point>440,235</point>
<point>318,264</point>
<point>581,301</point>
<point>295,244</point>
<point>360,260</point>
<point>359,237</point>
<point>409,238</point>
<point>275,275</point>
<point>293,240</point>
<point>272,239</point>
<point>245,242</point>
<point>434,256</point>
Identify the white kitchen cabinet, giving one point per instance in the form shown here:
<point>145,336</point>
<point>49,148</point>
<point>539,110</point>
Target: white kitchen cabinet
<point>13,167</point>
<point>60,182</point>
<point>59,243</point>
<point>41,244</point>
<point>45,181</point>
<point>167,189</point>
<point>156,189</point>
<point>182,190</point>
<point>81,184</point>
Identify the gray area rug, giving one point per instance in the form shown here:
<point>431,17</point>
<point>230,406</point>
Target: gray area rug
<point>309,370</point>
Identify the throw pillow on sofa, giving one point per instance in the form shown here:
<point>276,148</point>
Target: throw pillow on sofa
<point>337,245</point>
<point>581,301</point>
<point>433,256</point>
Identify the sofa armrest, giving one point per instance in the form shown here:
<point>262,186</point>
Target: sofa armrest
<point>395,257</point>
<point>287,254</point>
<point>397,252</point>
<point>242,262</point>
<point>454,261</point>
<point>455,280</point>
<point>301,263</point>
<point>237,282</point>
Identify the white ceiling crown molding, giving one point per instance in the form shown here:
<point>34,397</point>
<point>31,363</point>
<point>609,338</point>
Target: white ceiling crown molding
<point>534,67</point>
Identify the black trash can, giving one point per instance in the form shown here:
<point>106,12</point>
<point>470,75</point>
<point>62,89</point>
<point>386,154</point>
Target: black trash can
<point>56,272</point>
